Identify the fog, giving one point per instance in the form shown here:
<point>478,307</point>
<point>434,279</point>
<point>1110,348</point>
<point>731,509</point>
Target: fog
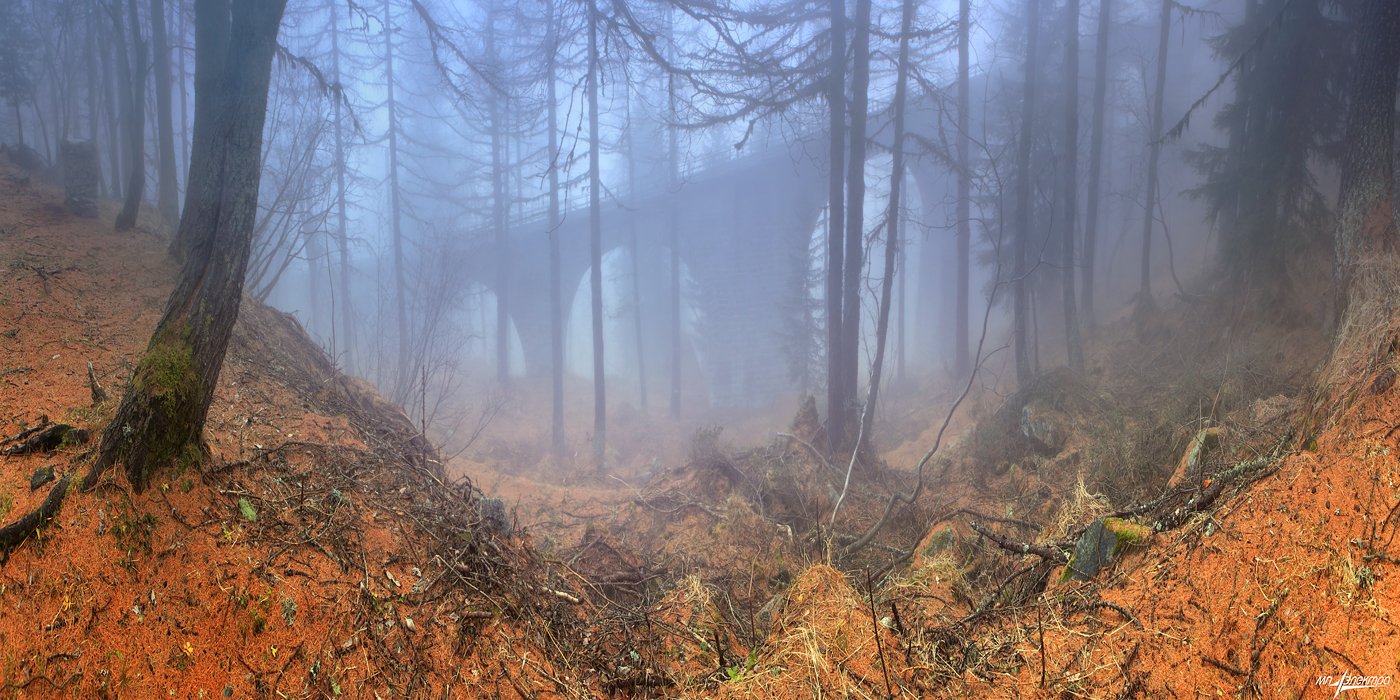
<point>425,161</point>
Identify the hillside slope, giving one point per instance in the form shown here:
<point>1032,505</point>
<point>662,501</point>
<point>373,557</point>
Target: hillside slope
<point>315,551</point>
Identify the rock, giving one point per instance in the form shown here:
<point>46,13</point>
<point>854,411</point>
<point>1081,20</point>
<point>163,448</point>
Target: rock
<point>1044,427</point>
<point>1103,543</point>
<point>1206,442</point>
<point>80,177</point>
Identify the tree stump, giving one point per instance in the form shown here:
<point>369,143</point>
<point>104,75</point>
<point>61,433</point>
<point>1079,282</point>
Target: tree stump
<point>80,177</point>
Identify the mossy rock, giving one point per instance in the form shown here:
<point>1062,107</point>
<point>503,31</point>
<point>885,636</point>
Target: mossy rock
<point>941,539</point>
<point>1105,540</point>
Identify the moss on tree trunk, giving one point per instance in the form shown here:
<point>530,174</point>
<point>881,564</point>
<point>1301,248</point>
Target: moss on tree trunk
<point>162,413</point>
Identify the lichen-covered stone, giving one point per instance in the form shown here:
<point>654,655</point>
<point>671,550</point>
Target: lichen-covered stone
<point>1105,540</point>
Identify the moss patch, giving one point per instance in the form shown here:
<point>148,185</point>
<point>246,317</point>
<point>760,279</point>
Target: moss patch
<point>167,371</point>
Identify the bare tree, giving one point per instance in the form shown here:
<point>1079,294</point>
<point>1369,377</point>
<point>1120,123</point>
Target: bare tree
<point>891,226</point>
<point>132,70</point>
<point>848,350</point>
<point>1020,285</point>
<point>1096,138</point>
<point>1154,152</point>
<point>1069,185</point>
<point>556,302</point>
<point>162,414</point>
<point>963,361</point>
<point>595,240</point>
<point>403,381</point>
<point>837,401</point>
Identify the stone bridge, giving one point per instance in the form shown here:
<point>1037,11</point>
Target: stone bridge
<point>741,225</point>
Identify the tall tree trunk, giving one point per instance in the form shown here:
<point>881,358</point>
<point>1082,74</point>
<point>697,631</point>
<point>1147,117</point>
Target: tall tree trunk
<point>556,292</point>
<point>962,357</point>
<point>132,69</point>
<point>499,209</point>
<point>403,370</point>
<point>1367,241</point>
<point>855,203</point>
<point>837,402</point>
<point>112,111</point>
<point>595,243</point>
<point>342,236</point>
<point>1020,285</point>
<point>1069,183</point>
<point>634,246</point>
<point>674,177</point>
<point>867,417</point>
<point>1096,141</point>
<point>181,12</point>
<point>162,414</point>
<point>315,251</point>
<point>1154,152</point>
<point>94,99</point>
<point>167,198</point>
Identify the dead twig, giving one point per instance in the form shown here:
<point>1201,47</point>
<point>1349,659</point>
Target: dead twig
<point>1058,552</point>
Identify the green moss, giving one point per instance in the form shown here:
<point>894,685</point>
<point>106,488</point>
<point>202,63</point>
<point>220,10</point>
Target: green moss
<point>167,372</point>
<point>1129,534</point>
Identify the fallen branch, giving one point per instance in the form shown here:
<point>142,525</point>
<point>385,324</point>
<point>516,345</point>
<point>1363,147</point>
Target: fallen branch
<point>1058,552</point>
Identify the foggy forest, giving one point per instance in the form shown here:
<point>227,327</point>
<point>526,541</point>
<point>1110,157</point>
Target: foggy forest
<point>699,348</point>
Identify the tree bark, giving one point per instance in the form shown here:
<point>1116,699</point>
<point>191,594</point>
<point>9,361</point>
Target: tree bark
<point>836,400</point>
<point>1367,242</point>
<point>1069,203</point>
<point>1154,152</point>
<point>1096,138</point>
<point>167,197</point>
<point>163,411</point>
<point>1020,289</point>
<point>962,357</point>
<point>595,244</point>
<point>132,69</point>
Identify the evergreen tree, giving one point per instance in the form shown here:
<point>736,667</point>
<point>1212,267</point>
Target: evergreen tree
<point>16,60</point>
<point>1285,115</point>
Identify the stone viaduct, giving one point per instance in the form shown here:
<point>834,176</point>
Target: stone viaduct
<point>740,225</point>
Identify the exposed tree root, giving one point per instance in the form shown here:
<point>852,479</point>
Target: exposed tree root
<point>14,534</point>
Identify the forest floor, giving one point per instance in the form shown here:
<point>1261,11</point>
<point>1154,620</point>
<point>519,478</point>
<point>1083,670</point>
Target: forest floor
<point>318,549</point>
